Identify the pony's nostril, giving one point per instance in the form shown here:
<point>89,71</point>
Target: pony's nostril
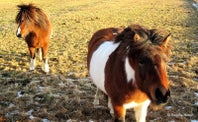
<point>158,94</point>
<point>161,96</point>
<point>168,93</point>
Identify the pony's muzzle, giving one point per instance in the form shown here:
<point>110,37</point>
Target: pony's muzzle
<point>162,95</point>
<point>18,35</point>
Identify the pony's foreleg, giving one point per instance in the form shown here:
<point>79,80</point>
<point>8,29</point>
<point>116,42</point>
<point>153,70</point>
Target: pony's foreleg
<point>110,106</point>
<point>39,52</point>
<point>45,60</point>
<point>46,66</point>
<point>141,111</point>
<point>96,98</point>
<point>32,58</point>
<point>119,113</point>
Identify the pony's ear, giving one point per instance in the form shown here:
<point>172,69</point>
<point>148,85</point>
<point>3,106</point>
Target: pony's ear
<point>127,33</point>
<point>136,37</point>
<point>166,47</point>
<point>166,41</point>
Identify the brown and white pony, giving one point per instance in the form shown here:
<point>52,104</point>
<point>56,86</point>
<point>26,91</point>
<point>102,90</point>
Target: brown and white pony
<point>35,28</point>
<point>129,66</point>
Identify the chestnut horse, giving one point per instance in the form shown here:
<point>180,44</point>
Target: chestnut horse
<point>129,66</point>
<point>35,28</point>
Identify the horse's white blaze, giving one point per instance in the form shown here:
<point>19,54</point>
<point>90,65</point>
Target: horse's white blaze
<point>18,31</point>
<point>32,63</point>
<point>130,73</point>
<point>98,63</point>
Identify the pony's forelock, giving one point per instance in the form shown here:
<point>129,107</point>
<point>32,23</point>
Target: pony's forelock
<point>32,14</point>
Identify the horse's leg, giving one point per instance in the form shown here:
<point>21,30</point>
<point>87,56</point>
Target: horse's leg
<point>32,58</point>
<point>110,106</point>
<point>141,111</point>
<point>96,98</point>
<point>39,52</point>
<point>45,60</point>
<point>119,113</point>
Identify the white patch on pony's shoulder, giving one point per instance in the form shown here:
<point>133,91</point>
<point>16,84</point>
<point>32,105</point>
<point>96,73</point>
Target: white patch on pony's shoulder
<point>98,63</point>
<point>130,73</point>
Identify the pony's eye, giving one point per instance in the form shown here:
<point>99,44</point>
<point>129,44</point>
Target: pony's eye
<point>22,20</point>
<point>155,65</point>
<point>141,62</point>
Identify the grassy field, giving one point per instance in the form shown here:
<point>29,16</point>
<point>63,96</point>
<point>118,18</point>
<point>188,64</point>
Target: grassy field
<point>67,92</point>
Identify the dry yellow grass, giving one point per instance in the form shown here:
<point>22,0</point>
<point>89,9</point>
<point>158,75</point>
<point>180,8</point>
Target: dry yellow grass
<point>67,93</point>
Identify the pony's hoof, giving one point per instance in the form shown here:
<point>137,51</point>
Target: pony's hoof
<point>119,120</point>
<point>32,68</point>
<point>96,102</point>
<point>112,112</point>
<point>46,71</point>
<point>46,68</point>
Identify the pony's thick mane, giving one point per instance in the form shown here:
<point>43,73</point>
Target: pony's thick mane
<point>147,38</point>
<point>128,43</point>
<point>158,36</point>
<point>32,14</point>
